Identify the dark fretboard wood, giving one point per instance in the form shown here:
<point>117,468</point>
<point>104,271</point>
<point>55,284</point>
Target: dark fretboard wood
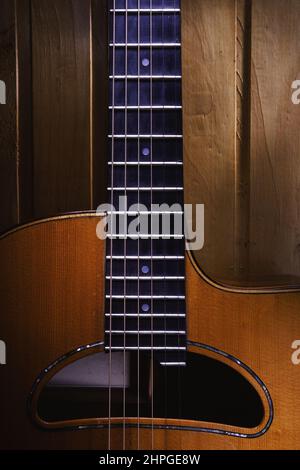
<point>145,277</point>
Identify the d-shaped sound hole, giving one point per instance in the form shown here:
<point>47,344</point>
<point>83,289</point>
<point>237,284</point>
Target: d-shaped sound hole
<point>205,390</point>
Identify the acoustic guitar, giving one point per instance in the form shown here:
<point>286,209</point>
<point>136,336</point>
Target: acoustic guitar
<point>124,343</point>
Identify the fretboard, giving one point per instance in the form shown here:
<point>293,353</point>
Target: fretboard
<point>145,274</point>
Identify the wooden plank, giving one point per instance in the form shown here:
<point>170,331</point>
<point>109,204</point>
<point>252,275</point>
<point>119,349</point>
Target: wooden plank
<point>24,115</point>
<point>275,139</point>
<point>209,99</point>
<point>243,116</point>
<point>99,100</point>
<point>8,131</point>
<point>61,106</point>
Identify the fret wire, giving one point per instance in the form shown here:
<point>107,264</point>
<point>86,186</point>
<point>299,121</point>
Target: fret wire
<point>154,77</point>
<point>121,188</point>
<point>146,44</point>
<point>133,213</point>
<point>145,163</point>
<point>148,236</point>
<point>147,348</point>
<point>169,258</point>
<point>150,108</point>
<point>145,332</point>
<point>145,297</point>
<point>146,315</point>
<point>147,136</point>
<point>148,10</point>
<point>147,278</point>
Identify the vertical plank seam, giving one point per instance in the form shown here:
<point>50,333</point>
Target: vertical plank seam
<point>17,115</point>
<point>235,228</point>
<point>243,25</point>
<point>91,159</point>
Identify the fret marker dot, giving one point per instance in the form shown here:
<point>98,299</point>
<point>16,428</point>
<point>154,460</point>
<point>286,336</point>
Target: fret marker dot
<point>145,269</point>
<point>146,151</point>
<point>145,308</point>
<point>146,62</point>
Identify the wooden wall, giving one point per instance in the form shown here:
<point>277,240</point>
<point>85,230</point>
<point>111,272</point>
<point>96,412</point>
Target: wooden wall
<point>241,129</point>
<point>8,135</point>
<point>242,140</point>
<point>54,59</point>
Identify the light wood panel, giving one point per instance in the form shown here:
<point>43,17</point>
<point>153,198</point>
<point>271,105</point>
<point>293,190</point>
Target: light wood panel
<point>61,105</point>
<point>241,136</point>
<point>209,99</point>
<point>275,139</point>
<point>54,126</point>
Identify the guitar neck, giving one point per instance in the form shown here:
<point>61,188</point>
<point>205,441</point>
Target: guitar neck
<point>145,286</point>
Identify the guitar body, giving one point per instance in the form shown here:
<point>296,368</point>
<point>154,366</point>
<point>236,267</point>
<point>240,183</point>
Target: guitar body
<point>52,309</point>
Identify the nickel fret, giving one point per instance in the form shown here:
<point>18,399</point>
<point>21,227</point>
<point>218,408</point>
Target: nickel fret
<point>146,278</point>
<point>147,44</point>
<point>141,332</point>
<point>145,10</point>
<point>146,163</point>
<point>141,77</point>
<point>145,315</point>
<point>137,108</point>
<point>148,257</point>
<point>145,236</point>
<point>146,189</point>
<point>146,297</point>
<point>136,213</point>
<point>145,136</point>
<point>145,348</point>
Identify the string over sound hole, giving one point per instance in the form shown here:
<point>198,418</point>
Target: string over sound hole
<point>180,393</point>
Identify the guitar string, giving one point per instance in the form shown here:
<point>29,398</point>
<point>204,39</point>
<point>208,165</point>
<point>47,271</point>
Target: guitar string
<point>111,224</point>
<point>164,242</point>
<point>138,241</point>
<point>125,225</point>
<point>179,156</point>
<point>151,229</point>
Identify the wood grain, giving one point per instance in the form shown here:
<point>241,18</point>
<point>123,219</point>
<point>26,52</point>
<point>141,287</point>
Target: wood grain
<point>61,106</point>
<point>209,102</point>
<point>24,109</point>
<point>275,140</point>
<point>9,186</point>
<point>99,100</point>
<point>54,127</point>
<point>241,136</point>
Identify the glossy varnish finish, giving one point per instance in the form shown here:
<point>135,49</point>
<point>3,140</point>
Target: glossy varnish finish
<point>52,294</point>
